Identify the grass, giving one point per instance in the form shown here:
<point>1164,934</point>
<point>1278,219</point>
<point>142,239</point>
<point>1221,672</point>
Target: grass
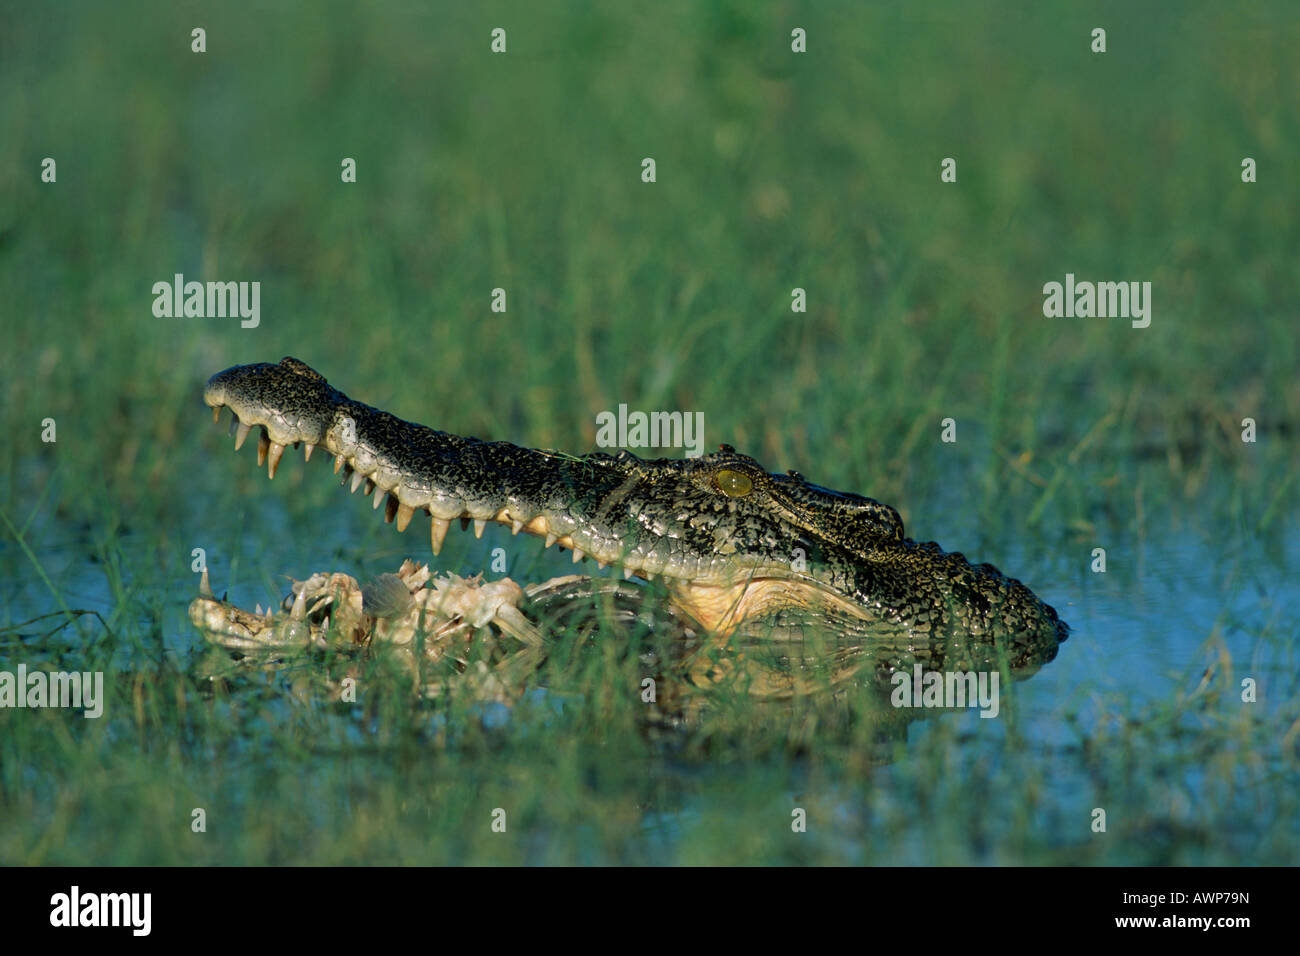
<point>774,171</point>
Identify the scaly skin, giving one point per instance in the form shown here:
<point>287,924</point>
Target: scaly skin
<point>745,554</point>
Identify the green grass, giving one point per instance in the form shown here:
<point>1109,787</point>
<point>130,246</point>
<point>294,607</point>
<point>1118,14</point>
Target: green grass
<point>775,171</point>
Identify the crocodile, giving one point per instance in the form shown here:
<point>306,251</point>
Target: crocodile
<point>740,557</point>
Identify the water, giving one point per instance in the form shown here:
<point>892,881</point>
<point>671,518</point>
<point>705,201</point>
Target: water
<point>1144,629</point>
<point>1143,633</point>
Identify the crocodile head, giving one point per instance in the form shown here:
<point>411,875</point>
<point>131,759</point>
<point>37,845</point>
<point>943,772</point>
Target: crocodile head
<point>737,548</point>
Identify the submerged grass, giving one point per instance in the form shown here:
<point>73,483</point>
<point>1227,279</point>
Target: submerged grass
<point>775,171</point>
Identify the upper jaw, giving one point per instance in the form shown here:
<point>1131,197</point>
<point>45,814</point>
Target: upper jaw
<point>303,415</point>
<point>276,431</point>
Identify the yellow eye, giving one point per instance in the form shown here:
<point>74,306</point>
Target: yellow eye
<point>733,484</point>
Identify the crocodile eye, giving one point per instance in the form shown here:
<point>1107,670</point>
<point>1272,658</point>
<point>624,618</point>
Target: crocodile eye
<point>733,484</point>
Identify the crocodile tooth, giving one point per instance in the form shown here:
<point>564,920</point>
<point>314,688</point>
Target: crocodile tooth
<point>551,539</point>
<point>258,610</point>
<point>404,513</point>
<point>577,555</point>
<point>479,525</point>
<point>299,611</point>
<point>338,463</point>
<point>273,458</point>
<point>438,531</point>
<point>216,414</point>
<point>205,586</point>
<point>464,524</point>
<point>307,449</point>
<point>357,478</point>
<point>390,508</point>
<point>516,526</point>
<point>369,486</point>
<point>263,446</point>
<point>627,574</point>
<point>379,496</point>
<point>240,434</point>
<point>602,564</point>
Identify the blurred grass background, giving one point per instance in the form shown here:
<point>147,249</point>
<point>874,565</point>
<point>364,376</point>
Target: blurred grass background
<point>522,170</point>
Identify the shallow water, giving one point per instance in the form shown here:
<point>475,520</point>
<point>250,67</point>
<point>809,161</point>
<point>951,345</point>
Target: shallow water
<point>1139,630</point>
<point>1141,636</point>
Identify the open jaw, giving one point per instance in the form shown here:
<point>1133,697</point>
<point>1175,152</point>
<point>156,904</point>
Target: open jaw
<point>366,445</point>
<point>735,547</point>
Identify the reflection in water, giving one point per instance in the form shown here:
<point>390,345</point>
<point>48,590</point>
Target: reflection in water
<point>489,642</point>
